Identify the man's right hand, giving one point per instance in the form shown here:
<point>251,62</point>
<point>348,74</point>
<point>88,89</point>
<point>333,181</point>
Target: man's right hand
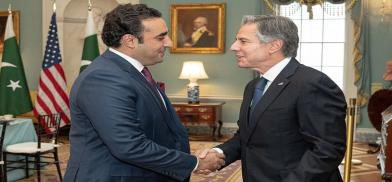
<point>209,161</point>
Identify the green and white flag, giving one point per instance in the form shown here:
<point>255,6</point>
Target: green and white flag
<point>90,47</point>
<point>14,92</point>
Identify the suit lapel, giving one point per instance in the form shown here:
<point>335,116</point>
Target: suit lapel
<point>175,126</point>
<point>273,91</point>
<point>245,109</point>
<point>172,119</point>
<point>154,91</point>
<point>127,67</point>
<point>169,114</point>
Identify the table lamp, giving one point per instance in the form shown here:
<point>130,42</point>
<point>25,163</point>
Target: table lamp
<point>193,70</point>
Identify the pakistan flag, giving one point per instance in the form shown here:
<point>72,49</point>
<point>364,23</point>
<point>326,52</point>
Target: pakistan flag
<point>90,47</point>
<point>14,93</point>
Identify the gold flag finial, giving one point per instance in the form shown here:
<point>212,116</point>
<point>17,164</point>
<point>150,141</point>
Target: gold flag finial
<point>54,5</point>
<point>9,8</point>
<point>89,5</point>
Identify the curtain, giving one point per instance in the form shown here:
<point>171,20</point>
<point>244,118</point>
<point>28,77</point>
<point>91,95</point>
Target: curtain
<point>312,2</point>
<point>361,52</point>
<point>361,55</point>
<point>270,4</point>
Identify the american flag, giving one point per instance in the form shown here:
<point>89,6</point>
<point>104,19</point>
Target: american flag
<point>52,94</point>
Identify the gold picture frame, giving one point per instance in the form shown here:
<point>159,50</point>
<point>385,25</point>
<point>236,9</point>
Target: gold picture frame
<point>3,22</point>
<point>188,33</point>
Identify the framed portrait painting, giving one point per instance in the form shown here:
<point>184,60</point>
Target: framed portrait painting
<point>198,28</point>
<point>3,22</point>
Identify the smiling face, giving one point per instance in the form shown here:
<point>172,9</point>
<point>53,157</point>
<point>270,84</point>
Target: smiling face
<point>155,41</point>
<point>249,50</point>
<point>253,53</point>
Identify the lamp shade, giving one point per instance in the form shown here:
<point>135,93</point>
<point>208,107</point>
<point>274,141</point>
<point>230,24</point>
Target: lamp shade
<point>193,70</point>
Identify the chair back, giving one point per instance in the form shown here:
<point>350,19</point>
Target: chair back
<point>48,127</point>
<point>3,128</point>
<point>2,136</point>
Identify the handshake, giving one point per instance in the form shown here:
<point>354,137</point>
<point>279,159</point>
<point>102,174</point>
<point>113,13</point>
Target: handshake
<point>210,160</point>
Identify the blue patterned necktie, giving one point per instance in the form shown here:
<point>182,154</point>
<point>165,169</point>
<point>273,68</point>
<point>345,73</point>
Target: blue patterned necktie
<point>258,92</point>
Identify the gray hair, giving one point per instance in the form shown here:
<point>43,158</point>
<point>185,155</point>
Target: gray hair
<point>272,28</point>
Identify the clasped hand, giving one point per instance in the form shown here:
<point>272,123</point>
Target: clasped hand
<point>209,161</point>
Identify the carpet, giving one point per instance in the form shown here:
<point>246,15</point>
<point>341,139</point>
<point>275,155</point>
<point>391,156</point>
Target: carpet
<point>231,173</point>
<point>365,172</point>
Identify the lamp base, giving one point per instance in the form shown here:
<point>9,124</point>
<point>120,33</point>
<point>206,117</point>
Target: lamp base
<point>193,94</point>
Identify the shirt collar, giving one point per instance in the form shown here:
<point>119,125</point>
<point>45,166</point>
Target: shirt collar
<point>274,71</point>
<point>134,62</point>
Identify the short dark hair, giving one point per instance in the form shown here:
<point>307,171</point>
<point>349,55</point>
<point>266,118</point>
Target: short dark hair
<point>126,19</point>
<point>272,27</point>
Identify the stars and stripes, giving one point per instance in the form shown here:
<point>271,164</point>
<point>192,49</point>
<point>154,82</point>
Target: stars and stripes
<point>52,94</point>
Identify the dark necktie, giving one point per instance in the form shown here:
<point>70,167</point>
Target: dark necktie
<point>148,76</point>
<point>258,92</point>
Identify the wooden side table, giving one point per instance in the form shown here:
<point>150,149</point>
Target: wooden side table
<point>207,112</point>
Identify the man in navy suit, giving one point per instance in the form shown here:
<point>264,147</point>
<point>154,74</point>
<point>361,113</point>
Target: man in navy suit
<point>123,127</point>
<point>292,118</point>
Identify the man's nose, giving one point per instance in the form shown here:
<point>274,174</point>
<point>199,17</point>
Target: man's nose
<point>168,42</point>
<point>234,46</point>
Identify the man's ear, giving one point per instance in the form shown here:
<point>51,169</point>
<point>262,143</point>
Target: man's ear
<point>276,45</point>
<point>129,41</point>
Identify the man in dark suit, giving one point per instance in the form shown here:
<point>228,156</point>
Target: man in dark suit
<point>123,127</point>
<point>201,36</point>
<point>292,118</point>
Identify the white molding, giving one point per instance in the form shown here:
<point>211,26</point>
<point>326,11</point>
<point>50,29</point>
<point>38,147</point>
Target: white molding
<point>369,135</point>
<point>229,125</point>
<point>367,130</point>
<point>75,20</point>
<point>128,1</point>
<point>359,130</point>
